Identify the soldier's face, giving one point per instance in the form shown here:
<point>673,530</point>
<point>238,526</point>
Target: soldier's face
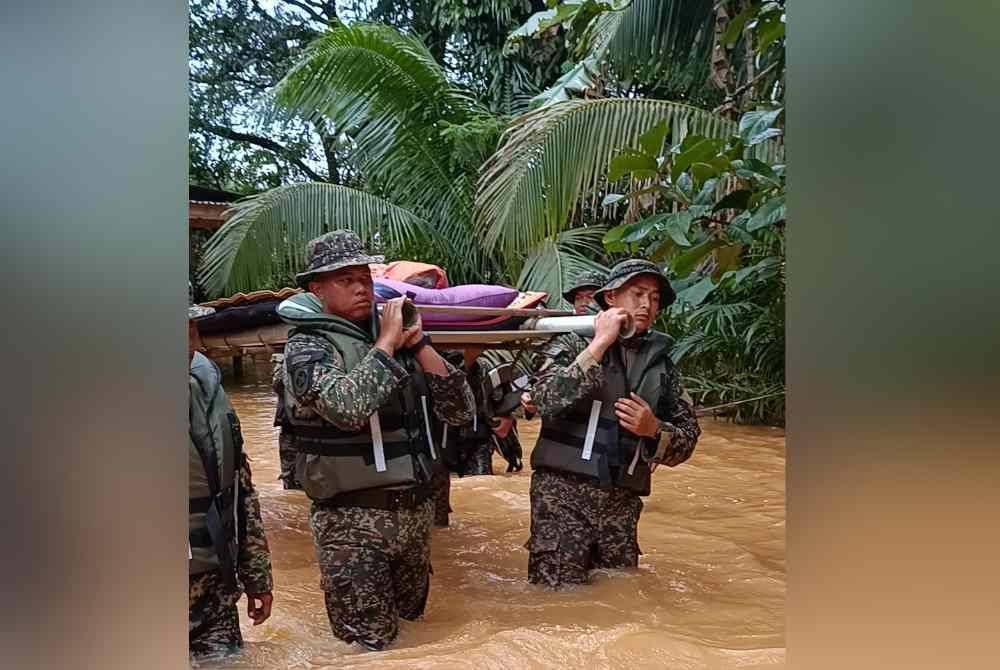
<point>347,293</point>
<point>582,299</point>
<point>640,297</point>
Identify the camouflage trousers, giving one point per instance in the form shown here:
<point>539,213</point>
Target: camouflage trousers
<point>213,622</point>
<point>286,454</point>
<point>475,458</point>
<point>441,486</point>
<point>374,568</point>
<point>577,526</point>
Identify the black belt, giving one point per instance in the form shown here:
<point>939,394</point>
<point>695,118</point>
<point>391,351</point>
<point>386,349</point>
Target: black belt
<point>387,499</point>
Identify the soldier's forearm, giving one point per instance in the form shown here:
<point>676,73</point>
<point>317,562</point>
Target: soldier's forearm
<point>452,397</point>
<point>254,561</point>
<point>432,363</point>
<point>678,436</point>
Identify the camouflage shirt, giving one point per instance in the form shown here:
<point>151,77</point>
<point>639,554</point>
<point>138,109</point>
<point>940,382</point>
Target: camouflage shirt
<point>321,384</point>
<point>571,373</point>
<point>278,373</point>
<point>254,561</point>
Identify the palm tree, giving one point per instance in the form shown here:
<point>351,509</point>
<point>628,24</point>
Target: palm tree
<point>662,47</point>
<point>411,132</point>
<point>553,161</point>
<point>419,140</point>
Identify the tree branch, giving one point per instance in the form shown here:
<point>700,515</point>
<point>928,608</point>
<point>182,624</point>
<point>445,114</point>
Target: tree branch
<point>311,11</point>
<point>263,13</point>
<point>739,91</point>
<point>264,143</point>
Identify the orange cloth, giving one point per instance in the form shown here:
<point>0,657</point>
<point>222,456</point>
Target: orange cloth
<point>412,272</point>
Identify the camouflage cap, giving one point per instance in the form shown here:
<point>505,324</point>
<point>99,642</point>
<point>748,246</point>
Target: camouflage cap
<point>332,251</point>
<point>629,269</point>
<point>196,311</point>
<point>588,279</point>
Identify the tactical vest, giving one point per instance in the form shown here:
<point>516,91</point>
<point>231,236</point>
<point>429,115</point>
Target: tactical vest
<point>216,448</point>
<point>394,449</point>
<point>588,440</point>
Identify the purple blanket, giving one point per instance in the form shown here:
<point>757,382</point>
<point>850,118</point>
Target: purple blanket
<point>467,295</point>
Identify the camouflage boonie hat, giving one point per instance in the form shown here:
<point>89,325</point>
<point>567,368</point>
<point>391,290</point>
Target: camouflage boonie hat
<point>196,311</point>
<point>629,269</point>
<point>589,279</point>
<point>330,252</point>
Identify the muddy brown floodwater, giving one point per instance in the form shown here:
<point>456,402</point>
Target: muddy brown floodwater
<point>709,591</point>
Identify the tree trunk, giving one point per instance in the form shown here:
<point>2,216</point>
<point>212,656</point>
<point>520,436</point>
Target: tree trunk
<point>329,143</point>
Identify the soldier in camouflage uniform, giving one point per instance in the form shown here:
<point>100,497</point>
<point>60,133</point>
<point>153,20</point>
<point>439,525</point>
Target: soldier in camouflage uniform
<point>286,443</point>
<point>580,293</point>
<point>612,410</point>
<point>360,390</point>
<point>467,450</point>
<point>474,446</point>
<point>227,549</point>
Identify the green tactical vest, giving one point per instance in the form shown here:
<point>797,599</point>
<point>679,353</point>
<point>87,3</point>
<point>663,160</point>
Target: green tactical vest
<point>394,449</point>
<point>216,445</point>
<point>587,439</point>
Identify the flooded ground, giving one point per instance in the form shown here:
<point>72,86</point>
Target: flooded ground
<point>709,592</point>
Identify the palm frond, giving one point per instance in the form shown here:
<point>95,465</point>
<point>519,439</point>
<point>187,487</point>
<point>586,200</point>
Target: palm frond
<point>265,236</point>
<point>667,41</point>
<point>552,263</point>
<point>386,91</point>
<point>663,44</point>
<point>552,159</point>
<point>722,318</point>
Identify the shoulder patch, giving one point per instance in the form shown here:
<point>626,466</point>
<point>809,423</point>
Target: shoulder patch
<point>301,366</point>
<point>302,378</point>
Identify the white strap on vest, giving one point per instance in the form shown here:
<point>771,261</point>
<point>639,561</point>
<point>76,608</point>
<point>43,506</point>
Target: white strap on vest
<point>475,422</point>
<point>190,555</point>
<point>236,498</point>
<point>495,377</point>
<point>588,442</point>
<point>427,425</point>
<point>635,459</point>
<point>377,445</point>
<point>444,438</point>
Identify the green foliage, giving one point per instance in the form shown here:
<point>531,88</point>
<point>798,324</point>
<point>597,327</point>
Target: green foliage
<point>753,42</point>
<point>238,51</point>
<point>551,265</point>
<point>659,48</point>
<point>713,212</point>
<point>731,346</point>
<point>554,159</point>
<point>415,136</point>
<point>418,139</point>
<point>266,235</point>
<point>504,153</point>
